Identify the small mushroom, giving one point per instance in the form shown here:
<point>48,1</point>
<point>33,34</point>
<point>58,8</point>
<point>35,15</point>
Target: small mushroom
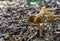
<point>39,20</point>
<point>30,19</point>
<point>43,11</point>
<point>51,19</point>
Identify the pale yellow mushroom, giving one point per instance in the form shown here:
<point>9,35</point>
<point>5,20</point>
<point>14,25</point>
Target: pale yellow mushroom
<point>44,11</point>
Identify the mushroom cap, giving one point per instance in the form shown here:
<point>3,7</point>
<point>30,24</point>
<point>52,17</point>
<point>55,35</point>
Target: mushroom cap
<point>38,19</point>
<point>30,19</point>
<point>51,18</point>
<point>44,10</point>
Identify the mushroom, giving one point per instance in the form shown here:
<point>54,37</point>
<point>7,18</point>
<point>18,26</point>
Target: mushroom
<point>39,20</point>
<point>44,11</point>
<point>30,19</point>
<point>51,19</point>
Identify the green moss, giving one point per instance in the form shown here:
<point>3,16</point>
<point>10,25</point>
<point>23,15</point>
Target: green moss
<point>32,0</point>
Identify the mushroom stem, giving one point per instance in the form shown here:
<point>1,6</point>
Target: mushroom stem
<point>51,31</point>
<point>43,24</point>
<point>40,30</point>
<point>30,27</point>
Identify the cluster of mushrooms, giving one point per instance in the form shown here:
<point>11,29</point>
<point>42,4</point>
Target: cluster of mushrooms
<point>40,19</point>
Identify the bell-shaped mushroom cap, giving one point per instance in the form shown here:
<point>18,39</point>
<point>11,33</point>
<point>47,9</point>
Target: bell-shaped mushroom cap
<point>43,10</point>
<point>51,18</point>
<point>30,18</point>
<point>38,19</point>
